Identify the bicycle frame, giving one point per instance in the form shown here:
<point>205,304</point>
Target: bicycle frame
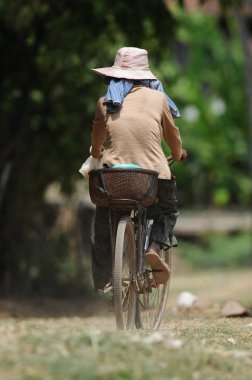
<point>132,205</point>
<point>129,206</point>
<point>139,300</point>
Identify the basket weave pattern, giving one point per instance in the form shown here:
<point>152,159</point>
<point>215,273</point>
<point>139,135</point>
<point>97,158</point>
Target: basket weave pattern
<point>136,184</point>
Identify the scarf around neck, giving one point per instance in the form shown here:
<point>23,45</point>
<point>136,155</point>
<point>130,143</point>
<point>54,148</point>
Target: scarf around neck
<point>118,89</point>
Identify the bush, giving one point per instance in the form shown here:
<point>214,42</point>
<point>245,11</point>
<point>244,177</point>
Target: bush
<point>216,250</point>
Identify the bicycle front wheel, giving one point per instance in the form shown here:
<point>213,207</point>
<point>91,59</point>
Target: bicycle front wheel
<point>152,297</point>
<point>124,272</point>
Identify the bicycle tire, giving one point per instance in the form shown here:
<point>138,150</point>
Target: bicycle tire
<point>123,275</point>
<point>151,303</point>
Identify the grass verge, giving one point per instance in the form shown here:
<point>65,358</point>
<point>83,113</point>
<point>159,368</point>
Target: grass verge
<point>191,345</point>
<point>218,250</point>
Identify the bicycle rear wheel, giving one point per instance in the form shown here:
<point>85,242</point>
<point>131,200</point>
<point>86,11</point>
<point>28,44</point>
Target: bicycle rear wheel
<point>152,297</point>
<point>124,272</point>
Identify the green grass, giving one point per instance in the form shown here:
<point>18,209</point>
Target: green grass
<point>55,351</point>
<point>89,348</point>
<point>218,250</point>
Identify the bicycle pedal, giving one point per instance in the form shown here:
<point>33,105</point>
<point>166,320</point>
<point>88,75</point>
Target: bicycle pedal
<point>106,292</point>
<point>108,289</point>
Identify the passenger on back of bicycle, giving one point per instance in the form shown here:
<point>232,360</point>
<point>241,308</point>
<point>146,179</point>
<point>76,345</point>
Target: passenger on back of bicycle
<point>129,124</point>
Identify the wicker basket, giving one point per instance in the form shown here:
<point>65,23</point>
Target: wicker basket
<point>136,184</point>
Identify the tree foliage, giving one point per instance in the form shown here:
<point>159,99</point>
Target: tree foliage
<point>210,87</point>
<point>48,100</point>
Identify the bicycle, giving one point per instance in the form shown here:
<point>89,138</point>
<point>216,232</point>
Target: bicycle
<point>139,302</point>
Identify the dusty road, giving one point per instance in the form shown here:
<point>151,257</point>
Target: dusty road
<point>77,340</point>
<point>213,288</point>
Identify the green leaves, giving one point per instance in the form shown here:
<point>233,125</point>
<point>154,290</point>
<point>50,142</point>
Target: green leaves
<point>210,92</point>
<point>49,95</point>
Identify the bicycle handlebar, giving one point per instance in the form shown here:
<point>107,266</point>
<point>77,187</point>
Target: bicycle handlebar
<point>170,160</point>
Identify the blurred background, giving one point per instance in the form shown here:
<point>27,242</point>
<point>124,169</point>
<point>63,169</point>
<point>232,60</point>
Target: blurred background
<point>202,53</point>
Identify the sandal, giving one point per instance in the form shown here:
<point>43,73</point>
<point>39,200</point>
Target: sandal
<point>160,270</point>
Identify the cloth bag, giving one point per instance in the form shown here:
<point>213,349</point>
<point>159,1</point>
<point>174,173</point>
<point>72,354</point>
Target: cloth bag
<point>91,163</point>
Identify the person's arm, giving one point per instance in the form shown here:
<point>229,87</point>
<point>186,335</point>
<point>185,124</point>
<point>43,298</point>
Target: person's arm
<point>99,131</point>
<point>171,133</point>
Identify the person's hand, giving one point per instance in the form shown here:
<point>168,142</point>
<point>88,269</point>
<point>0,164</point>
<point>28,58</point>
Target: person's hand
<point>183,155</point>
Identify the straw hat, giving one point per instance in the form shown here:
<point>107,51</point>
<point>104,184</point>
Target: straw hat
<point>130,63</point>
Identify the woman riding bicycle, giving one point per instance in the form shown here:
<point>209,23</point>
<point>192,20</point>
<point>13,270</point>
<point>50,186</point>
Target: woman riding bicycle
<point>129,124</point>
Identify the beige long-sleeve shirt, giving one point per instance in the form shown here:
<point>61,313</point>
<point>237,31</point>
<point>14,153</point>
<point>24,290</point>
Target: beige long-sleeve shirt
<point>133,135</point>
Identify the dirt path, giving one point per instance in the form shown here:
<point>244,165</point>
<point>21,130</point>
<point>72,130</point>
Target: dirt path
<point>213,288</point>
<point>75,339</point>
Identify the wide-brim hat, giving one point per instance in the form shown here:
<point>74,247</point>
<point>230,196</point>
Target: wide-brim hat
<point>130,63</point>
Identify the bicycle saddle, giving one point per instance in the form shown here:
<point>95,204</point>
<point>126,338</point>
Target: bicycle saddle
<point>126,166</point>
